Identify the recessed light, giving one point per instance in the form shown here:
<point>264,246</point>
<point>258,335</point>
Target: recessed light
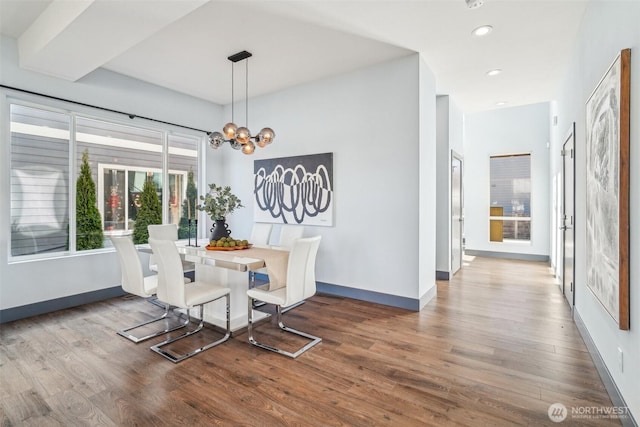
<point>494,72</point>
<point>501,103</point>
<point>482,31</point>
<point>474,4</point>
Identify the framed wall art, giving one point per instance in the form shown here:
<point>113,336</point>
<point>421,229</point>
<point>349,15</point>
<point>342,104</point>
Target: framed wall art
<point>294,190</point>
<point>607,197</point>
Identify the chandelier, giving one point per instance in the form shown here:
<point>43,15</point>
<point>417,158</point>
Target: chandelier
<point>239,137</point>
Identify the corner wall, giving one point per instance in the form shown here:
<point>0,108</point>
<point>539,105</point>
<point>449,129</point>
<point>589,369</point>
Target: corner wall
<point>607,28</point>
<point>379,123</point>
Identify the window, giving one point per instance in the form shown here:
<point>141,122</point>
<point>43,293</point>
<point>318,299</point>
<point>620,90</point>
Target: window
<point>45,143</point>
<point>119,190</point>
<point>510,207</point>
<point>39,180</point>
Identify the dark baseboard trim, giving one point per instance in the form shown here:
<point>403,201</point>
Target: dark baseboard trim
<point>442,275</point>
<point>603,371</point>
<point>508,255</point>
<point>17,313</point>
<point>22,312</point>
<point>370,296</point>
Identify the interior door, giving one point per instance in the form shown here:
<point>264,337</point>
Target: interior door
<point>457,219</point>
<point>568,203</point>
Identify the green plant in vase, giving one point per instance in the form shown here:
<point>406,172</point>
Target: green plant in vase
<point>218,203</point>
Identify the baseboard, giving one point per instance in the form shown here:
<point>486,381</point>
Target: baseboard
<point>17,313</point>
<point>603,371</point>
<point>370,296</point>
<point>428,296</point>
<point>508,255</point>
<point>413,304</point>
<point>442,275</point>
<point>22,312</point>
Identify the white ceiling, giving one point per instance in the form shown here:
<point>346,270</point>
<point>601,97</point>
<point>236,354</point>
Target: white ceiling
<point>183,44</point>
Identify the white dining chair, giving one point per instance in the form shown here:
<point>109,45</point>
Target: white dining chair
<point>135,283</point>
<point>165,232</point>
<point>289,233</point>
<point>172,290</point>
<point>260,234</point>
<point>301,284</point>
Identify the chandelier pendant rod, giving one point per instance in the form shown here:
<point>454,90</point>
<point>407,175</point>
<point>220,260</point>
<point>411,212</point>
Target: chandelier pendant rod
<point>246,94</point>
<point>232,86</point>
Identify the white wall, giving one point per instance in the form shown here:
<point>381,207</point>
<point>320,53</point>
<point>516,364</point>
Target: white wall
<point>374,122</point>
<point>25,283</point>
<point>510,130</point>
<point>449,136</point>
<point>369,120</point>
<point>607,28</point>
<point>427,176</point>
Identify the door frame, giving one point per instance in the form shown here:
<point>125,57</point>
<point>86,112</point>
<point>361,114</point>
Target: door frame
<point>459,158</point>
<point>570,138</point>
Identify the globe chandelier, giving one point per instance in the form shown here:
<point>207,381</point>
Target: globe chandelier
<point>239,137</point>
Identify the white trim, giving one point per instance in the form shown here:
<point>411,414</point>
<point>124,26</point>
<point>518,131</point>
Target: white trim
<point>48,132</point>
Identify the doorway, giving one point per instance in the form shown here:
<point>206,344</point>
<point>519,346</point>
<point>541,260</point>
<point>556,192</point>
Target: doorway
<point>568,223</point>
<point>457,217</point>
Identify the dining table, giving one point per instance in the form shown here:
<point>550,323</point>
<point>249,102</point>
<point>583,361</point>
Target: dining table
<point>230,267</point>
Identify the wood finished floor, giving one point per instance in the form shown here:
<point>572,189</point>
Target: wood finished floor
<point>496,347</point>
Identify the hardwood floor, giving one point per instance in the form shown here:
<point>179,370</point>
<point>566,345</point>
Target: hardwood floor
<point>496,347</point>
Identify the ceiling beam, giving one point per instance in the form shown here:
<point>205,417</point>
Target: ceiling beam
<point>70,39</point>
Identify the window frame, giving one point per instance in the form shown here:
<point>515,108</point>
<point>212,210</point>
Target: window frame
<point>10,97</point>
<point>102,167</point>
<point>516,219</point>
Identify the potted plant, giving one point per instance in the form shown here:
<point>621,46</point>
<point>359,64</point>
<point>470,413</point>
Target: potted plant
<point>218,203</point>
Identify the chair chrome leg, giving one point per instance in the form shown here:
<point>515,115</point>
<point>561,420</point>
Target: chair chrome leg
<point>314,340</point>
<point>125,332</point>
<point>292,306</point>
<point>154,300</point>
<point>177,358</point>
<point>259,304</point>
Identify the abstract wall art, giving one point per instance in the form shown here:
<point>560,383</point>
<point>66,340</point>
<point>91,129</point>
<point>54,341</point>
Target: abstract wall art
<point>607,192</point>
<point>294,190</point>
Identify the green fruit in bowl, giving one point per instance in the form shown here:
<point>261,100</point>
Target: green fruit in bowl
<point>220,243</point>
<point>245,243</point>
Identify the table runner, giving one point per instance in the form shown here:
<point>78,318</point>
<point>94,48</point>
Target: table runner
<point>276,262</point>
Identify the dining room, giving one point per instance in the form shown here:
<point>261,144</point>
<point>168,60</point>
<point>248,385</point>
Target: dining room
<point>377,126</point>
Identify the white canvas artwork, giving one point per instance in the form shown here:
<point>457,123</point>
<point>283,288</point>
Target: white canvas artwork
<point>294,190</point>
<point>603,190</point>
